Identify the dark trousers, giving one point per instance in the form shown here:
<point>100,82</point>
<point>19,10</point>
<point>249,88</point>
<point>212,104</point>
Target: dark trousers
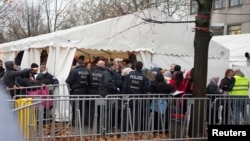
<point>77,105</point>
<point>135,117</point>
<point>213,115</point>
<point>89,112</point>
<point>76,111</point>
<point>160,122</point>
<point>104,123</point>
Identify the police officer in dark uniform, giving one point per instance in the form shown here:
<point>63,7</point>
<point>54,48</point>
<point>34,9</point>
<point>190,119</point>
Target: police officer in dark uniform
<point>96,77</point>
<point>78,81</point>
<point>108,82</point>
<point>135,83</point>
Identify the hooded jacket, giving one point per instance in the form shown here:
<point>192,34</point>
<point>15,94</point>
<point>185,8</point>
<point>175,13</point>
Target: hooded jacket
<point>162,87</point>
<point>11,74</point>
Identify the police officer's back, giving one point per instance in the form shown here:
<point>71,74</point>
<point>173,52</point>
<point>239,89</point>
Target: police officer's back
<point>96,77</point>
<point>78,79</point>
<point>136,82</point>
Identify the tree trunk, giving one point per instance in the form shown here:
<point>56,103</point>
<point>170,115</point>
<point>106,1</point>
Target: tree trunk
<point>201,43</point>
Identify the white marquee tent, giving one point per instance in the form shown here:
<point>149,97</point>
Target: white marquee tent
<point>238,45</point>
<point>161,44</point>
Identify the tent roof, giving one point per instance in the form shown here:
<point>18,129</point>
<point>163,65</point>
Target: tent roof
<point>238,45</point>
<point>125,33</point>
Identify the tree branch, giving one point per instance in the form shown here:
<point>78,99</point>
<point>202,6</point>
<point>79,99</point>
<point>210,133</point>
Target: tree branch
<point>162,22</point>
<point>125,30</point>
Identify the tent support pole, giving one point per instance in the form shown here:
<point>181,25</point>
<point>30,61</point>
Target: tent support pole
<point>106,52</point>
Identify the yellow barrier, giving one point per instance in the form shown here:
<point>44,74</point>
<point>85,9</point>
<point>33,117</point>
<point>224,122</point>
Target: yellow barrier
<point>26,116</point>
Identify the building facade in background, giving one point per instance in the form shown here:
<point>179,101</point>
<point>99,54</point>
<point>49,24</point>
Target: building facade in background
<point>228,16</point>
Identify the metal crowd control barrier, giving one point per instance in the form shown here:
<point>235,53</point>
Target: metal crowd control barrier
<point>124,116</point>
<point>24,110</point>
<point>114,117</point>
<point>232,110</point>
<point>51,89</point>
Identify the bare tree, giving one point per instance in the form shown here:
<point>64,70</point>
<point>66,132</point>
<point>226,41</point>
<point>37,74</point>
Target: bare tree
<point>57,12</point>
<point>24,19</point>
<point>175,8</point>
<point>2,39</point>
<point>90,11</point>
<point>4,4</point>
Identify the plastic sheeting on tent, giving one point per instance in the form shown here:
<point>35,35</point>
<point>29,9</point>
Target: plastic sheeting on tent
<point>238,45</point>
<point>162,44</point>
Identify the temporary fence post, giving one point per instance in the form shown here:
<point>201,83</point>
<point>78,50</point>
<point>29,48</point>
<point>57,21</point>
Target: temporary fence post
<point>31,124</point>
<point>190,102</point>
<point>220,114</point>
<point>79,121</point>
<point>40,121</point>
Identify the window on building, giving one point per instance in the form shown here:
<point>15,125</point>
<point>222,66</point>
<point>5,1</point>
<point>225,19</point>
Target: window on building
<point>194,7</point>
<point>235,2</point>
<point>217,30</point>
<point>234,29</point>
<point>219,4</point>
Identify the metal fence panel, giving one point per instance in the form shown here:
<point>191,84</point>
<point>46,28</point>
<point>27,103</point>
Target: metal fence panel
<point>124,117</point>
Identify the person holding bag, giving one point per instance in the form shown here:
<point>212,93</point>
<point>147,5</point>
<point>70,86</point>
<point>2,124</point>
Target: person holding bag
<point>34,88</point>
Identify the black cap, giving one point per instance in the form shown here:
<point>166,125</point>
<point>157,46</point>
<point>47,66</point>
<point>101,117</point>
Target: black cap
<point>34,65</point>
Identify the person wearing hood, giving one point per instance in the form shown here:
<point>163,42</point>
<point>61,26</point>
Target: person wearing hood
<point>212,89</point>
<point>10,76</point>
<point>238,88</point>
<point>162,87</point>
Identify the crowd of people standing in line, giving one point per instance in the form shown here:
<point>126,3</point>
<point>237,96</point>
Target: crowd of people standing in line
<point>121,76</point>
<point>126,76</point>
